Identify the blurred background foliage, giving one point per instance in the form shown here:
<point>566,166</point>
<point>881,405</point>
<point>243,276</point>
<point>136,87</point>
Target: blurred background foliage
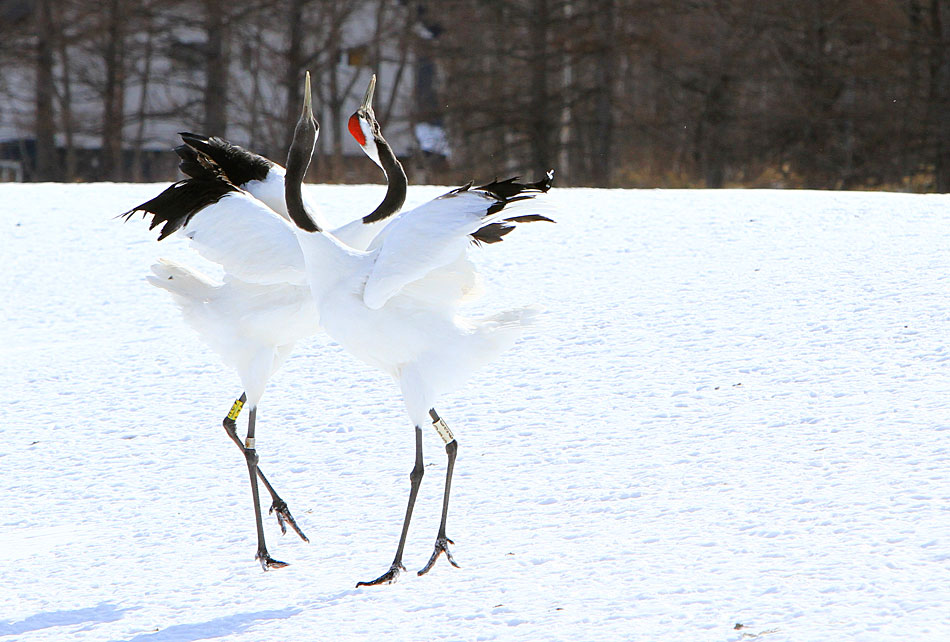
<point>841,94</point>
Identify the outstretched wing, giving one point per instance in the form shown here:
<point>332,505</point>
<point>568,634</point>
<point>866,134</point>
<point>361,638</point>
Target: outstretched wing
<point>249,240</point>
<point>230,227</point>
<point>436,233</point>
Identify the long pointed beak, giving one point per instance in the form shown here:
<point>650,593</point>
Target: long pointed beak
<point>307,98</point>
<point>368,97</point>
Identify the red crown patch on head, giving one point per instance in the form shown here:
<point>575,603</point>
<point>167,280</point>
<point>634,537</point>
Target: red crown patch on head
<point>356,131</point>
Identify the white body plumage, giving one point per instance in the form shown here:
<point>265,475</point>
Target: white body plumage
<point>395,307</point>
<point>263,306</point>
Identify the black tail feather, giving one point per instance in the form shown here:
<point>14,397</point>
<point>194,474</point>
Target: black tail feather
<point>175,206</point>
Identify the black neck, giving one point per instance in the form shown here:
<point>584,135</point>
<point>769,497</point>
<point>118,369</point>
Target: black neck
<point>298,162</point>
<point>396,190</point>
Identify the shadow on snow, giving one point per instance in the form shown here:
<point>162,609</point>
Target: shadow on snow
<point>217,627</point>
<point>99,614</point>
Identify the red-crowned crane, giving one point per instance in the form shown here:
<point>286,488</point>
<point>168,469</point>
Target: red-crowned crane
<point>394,306</point>
<point>252,320</point>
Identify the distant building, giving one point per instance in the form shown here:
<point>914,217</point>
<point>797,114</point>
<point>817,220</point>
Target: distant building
<point>163,89</point>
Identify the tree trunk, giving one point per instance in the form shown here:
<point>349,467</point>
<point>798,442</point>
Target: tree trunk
<point>711,147</point>
<point>405,40</point>
<point>44,130</point>
<point>940,93</point>
<point>137,170</point>
<point>916,37</point>
<point>603,161</point>
<point>257,138</point>
<point>336,109</point>
<point>540,120</point>
<point>293,64</point>
<point>113,94</point>
<point>216,68</point>
<point>66,106</point>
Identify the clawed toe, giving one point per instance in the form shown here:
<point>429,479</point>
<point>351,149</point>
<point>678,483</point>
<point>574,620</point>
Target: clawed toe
<point>441,546</point>
<point>386,578</point>
<point>268,562</point>
<point>279,507</point>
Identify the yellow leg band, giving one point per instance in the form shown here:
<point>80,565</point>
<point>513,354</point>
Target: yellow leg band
<point>443,430</point>
<point>235,410</point>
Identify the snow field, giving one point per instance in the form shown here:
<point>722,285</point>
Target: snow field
<point>735,409</point>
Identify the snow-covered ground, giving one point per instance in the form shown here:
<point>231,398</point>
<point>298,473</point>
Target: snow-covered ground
<point>733,421</point>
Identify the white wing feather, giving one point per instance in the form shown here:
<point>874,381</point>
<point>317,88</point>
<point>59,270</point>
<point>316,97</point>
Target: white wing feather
<point>248,239</point>
<point>426,238</point>
<point>359,235</point>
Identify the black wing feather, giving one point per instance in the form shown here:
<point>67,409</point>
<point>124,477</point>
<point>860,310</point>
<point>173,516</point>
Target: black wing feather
<point>506,192</point>
<point>195,164</point>
<point>175,206</point>
<point>239,165</point>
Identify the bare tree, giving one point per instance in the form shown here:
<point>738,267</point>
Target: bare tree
<point>45,129</point>
<point>217,49</point>
<point>65,95</point>
<point>939,94</point>
<point>614,92</point>
<point>113,94</point>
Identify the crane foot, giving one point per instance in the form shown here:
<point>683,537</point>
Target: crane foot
<point>386,578</point>
<point>268,562</point>
<point>284,518</point>
<point>441,546</point>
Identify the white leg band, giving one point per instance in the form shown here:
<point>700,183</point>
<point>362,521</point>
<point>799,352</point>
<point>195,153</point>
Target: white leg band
<point>443,430</point>
<point>249,443</point>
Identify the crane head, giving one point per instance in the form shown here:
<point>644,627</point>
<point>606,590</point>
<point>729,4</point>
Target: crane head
<point>363,126</point>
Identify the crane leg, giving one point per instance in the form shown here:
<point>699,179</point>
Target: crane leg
<point>415,479</point>
<point>451,449</point>
<point>278,505</point>
<point>250,455</point>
